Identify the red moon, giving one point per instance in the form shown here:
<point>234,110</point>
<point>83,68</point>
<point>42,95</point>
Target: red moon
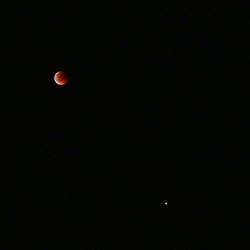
<point>61,78</point>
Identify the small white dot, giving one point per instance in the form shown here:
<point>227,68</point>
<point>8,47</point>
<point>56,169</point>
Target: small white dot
<point>166,203</point>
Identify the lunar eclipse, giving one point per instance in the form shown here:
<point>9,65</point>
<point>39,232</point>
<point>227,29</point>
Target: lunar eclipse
<point>61,78</point>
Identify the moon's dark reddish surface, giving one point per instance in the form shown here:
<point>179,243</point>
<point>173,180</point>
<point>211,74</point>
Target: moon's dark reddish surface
<point>61,78</point>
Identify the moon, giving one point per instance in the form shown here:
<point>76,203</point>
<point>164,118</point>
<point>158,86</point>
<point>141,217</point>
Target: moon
<point>61,78</point>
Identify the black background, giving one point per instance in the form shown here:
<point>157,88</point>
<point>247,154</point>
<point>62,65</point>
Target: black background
<point>156,110</point>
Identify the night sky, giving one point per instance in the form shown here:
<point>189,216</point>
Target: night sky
<point>156,110</point>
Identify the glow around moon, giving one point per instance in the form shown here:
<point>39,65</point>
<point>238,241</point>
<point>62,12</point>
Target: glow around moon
<point>61,78</point>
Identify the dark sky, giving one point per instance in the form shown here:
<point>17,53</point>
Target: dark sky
<point>156,110</point>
